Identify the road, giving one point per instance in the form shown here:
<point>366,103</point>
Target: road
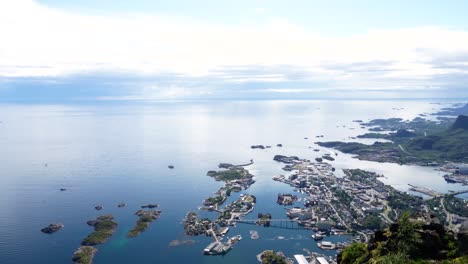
<point>404,150</point>
<point>449,215</point>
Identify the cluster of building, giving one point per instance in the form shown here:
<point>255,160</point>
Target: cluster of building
<point>338,203</point>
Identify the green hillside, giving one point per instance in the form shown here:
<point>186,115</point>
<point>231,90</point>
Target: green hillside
<point>411,240</point>
<point>450,145</point>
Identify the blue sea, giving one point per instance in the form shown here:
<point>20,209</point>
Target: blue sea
<point>105,154</point>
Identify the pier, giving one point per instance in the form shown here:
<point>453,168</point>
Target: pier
<point>424,190</point>
<point>459,192</point>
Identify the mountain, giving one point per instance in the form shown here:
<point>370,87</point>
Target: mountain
<point>450,145</point>
<point>461,122</point>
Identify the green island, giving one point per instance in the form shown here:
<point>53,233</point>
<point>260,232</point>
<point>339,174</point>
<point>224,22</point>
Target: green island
<point>232,173</point>
<point>84,255</point>
<point>432,144</point>
<point>273,257</point>
<point>412,239</point>
<point>144,221</point>
<point>104,227</point>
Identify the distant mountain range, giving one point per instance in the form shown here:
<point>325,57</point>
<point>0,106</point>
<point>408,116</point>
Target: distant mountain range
<point>449,144</point>
<point>456,111</point>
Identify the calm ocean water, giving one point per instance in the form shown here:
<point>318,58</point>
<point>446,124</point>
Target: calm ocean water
<point>107,154</point>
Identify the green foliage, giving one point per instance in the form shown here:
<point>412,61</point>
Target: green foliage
<point>215,200</point>
<point>398,258</point>
<point>373,222</point>
<point>402,243</point>
<point>449,145</point>
<point>102,231</point>
<point>229,174</point>
<point>140,226</point>
<point>408,239</point>
<point>354,254</point>
<point>271,257</point>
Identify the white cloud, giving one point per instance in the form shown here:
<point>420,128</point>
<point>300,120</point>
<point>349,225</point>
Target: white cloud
<point>42,41</point>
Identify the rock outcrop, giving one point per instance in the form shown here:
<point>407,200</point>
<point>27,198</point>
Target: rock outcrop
<point>52,228</point>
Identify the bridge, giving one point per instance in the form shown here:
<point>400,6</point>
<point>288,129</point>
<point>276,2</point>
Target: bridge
<point>275,223</point>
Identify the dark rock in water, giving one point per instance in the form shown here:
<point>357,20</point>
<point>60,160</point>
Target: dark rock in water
<point>225,165</point>
<point>257,147</point>
<point>120,205</point>
<point>98,207</point>
<point>170,167</point>
<point>461,122</point>
<point>267,146</point>
<point>285,159</point>
<point>316,150</point>
<point>306,138</point>
<point>150,206</point>
<point>62,189</point>
<point>279,145</point>
<point>327,157</point>
<point>319,159</point>
<point>52,228</point>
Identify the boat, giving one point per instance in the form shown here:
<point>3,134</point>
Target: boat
<point>449,179</point>
<point>235,239</point>
<point>317,236</point>
<point>326,245</point>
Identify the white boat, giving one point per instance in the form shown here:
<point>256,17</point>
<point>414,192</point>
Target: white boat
<point>317,236</point>
<point>326,245</point>
<point>235,239</point>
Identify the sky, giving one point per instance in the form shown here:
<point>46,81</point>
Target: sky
<point>109,50</point>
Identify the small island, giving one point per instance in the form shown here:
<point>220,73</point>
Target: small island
<point>230,174</point>
<point>84,255</point>
<point>52,228</point>
<point>150,206</point>
<point>104,227</point>
<point>144,221</point>
<point>273,257</point>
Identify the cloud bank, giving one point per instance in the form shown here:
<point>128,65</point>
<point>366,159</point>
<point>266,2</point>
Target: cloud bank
<point>178,57</point>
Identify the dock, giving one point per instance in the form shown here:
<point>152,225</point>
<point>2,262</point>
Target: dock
<point>424,190</point>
